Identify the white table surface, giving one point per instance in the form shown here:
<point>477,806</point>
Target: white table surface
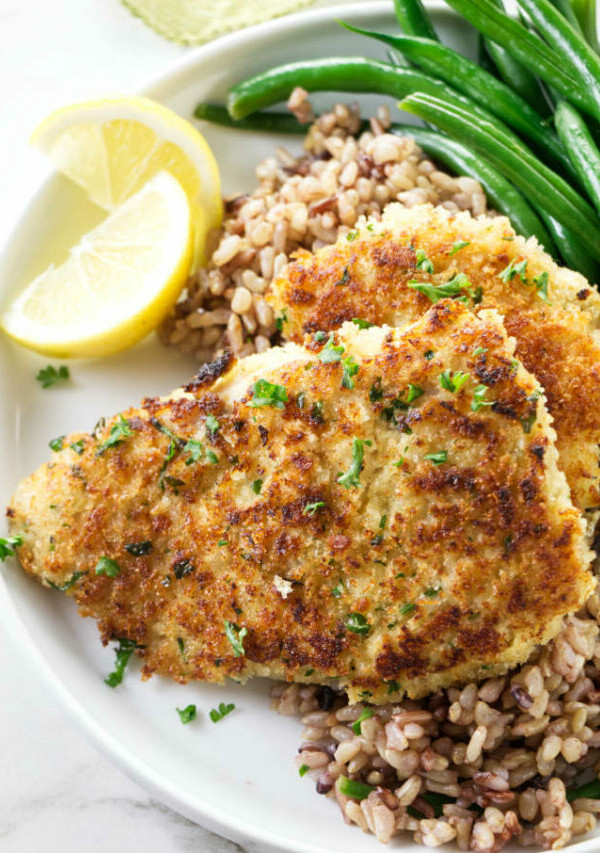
<point>57,793</point>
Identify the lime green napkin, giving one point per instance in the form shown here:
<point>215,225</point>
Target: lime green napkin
<point>199,21</point>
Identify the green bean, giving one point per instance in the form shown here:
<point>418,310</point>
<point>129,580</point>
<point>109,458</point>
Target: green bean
<point>263,122</point>
<point>573,252</point>
<point>473,81</point>
<point>581,148</point>
<point>515,75</point>
<point>501,194</point>
<point>587,15</point>
<point>565,7</point>
<point>413,18</point>
<point>539,185</point>
<point>484,60</point>
<point>342,75</point>
<point>528,48</point>
<point>569,45</point>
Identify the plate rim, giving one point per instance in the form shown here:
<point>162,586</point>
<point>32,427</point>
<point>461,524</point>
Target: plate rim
<point>218,820</point>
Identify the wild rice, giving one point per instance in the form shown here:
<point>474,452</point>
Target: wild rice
<point>303,201</point>
<point>503,766</point>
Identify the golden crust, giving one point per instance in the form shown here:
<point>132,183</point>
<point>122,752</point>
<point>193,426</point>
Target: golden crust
<point>559,343</point>
<point>445,571</point>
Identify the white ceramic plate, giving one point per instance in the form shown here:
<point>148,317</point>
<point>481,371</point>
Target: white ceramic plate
<point>236,777</point>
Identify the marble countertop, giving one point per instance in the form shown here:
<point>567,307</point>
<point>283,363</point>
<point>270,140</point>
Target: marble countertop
<point>57,792</point>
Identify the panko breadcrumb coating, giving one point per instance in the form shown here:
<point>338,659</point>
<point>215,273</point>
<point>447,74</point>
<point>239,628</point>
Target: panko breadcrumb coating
<point>381,508</point>
<point>553,313</point>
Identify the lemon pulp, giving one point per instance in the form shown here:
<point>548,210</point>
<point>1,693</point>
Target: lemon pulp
<point>118,282</point>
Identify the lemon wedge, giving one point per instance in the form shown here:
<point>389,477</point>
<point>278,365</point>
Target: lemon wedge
<point>112,147</point>
<point>118,282</point>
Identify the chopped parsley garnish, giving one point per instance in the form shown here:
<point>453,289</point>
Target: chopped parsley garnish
<point>357,623</point>
<point>414,392</point>
<point>308,673</point>
<point>195,449</point>
<point>406,609</point>
<point>344,279</point>
<point>7,544</point>
<point>353,789</point>
<point>356,726</point>
<point>376,391</point>
<point>257,486</point>
<point>428,355</point>
<point>182,568</point>
<point>330,352</point>
<point>432,591</point>
<point>459,279</point>
<point>352,475</point>
<point>351,368</point>
<point>479,350</point>
<point>512,270</point>
<point>124,652</point>
<point>301,399</point>
<point>393,687</point>
<point>319,337</point>
<point>171,451</point>
<point>67,584</point>
<point>362,324</point>
<point>268,394</point>
<point>186,715</point>
<point>437,458</point>
<point>303,770</point>
<point>174,482</point>
<point>212,424</point>
<point>50,375</point>
<point>222,542</point>
<point>541,285</point>
<point>458,245</point>
<point>181,647</point>
<point>222,711</point>
<point>383,522</point>
<point>453,382</point>
<point>281,320</point>
<point>450,289</point>
<point>109,568</point>
<point>423,262</point>
<point>477,402</point>
<point>118,431</point>
<point>338,590</point>
<point>212,457</point>
<point>399,463</point>
<point>56,444</point>
<point>166,431</point>
<point>77,446</point>
<point>529,421</point>
<point>316,412</point>
<point>235,636</point>
<point>351,236</point>
<point>310,509</point>
<point>139,549</point>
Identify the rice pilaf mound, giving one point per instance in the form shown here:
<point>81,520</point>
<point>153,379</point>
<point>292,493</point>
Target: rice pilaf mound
<point>502,752</point>
<point>302,202</point>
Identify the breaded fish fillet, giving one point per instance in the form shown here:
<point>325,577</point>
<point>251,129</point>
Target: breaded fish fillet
<point>365,509</point>
<point>382,272</point>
